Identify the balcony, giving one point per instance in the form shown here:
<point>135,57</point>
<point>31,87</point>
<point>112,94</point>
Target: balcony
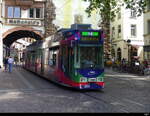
<point>24,22</point>
<point>24,2</point>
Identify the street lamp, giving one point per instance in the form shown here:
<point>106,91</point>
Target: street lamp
<point>128,43</point>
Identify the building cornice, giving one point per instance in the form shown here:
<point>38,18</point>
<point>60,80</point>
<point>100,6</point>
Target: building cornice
<point>147,11</point>
<point>118,40</point>
<point>145,35</point>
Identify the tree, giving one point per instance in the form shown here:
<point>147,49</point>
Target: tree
<point>50,15</point>
<point>108,9</point>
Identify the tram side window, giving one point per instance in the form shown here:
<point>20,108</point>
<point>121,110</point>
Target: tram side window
<point>52,57</point>
<point>51,62</point>
<point>65,59</point>
<point>71,60</point>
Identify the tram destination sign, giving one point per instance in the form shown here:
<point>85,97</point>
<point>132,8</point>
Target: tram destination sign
<point>92,37</point>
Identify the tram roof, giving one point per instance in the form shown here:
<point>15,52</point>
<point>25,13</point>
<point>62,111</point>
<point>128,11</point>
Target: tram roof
<point>77,27</point>
<point>63,30</point>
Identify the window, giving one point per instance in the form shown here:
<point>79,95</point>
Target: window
<point>13,12</point>
<point>17,12</point>
<point>31,13</point>
<point>119,30</point>
<point>119,15</point>
<point>53,56</point>
<point>133,13</point>
<point>148,5</point>
<point>35,13</point>
<point>91,57</point>
<point>148,28</point>
<point>133,30</point>
<point>113,32</point>
<point>10,12</point>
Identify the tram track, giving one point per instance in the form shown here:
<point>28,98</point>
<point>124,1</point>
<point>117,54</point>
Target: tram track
<point>25,90</point>
<point>96,98</point>
<point>109,103</point>
<point>125,105</point>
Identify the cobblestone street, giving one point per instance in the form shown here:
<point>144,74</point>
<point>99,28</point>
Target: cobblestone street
<point>22,91</point>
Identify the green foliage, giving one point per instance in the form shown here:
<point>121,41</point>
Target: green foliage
<point>109,8</point>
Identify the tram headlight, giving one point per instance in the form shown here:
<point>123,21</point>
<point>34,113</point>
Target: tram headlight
<point>83,79</point>
<point>99,79</point>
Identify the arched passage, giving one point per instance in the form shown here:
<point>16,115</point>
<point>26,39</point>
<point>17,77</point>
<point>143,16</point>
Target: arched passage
<point>10,38</point>
<point>17,33</point>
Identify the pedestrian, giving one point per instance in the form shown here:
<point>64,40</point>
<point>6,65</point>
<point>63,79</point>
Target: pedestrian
<point>5,63</point>
<point>10,63</point>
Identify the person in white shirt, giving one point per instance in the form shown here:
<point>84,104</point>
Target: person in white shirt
<point>10,63</point>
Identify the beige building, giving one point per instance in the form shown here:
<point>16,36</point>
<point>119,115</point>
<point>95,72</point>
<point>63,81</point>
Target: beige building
<point>147,33</point>
<point>127,35</point>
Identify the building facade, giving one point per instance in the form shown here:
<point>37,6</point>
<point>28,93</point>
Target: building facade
<point>147,33</point>
<point>20,19</point>
<point>127,35</point>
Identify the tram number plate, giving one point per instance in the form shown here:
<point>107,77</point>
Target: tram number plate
<point>92,80</point>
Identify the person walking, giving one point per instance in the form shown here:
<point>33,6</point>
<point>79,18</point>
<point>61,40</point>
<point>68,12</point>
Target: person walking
<point>6,63</point>
<point>10,63</point>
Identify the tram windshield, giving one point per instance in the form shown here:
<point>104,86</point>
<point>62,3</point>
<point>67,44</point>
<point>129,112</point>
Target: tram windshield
<point>91,57</point>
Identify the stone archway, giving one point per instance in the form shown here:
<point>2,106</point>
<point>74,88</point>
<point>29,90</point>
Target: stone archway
<point>11,35</point>
<point>21,28</point>
<point>14,34</point>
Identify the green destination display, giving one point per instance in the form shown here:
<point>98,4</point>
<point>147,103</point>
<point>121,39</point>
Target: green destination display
<point>95,34</point>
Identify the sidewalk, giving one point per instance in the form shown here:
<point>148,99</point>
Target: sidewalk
<point>10,80</point>
<point>126,75</point>
<point>110,70</point>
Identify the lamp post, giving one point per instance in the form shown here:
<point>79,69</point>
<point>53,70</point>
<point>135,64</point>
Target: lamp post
<point>128,43</point>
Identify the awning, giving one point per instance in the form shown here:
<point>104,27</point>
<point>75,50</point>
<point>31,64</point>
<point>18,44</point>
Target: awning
<point>136,57</point>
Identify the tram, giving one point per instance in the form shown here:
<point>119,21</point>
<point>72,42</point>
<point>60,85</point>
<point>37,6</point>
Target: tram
<point>71,57</point>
